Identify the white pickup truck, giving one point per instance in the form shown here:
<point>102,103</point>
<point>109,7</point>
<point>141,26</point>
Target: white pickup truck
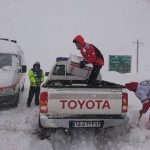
<point>77,105</point>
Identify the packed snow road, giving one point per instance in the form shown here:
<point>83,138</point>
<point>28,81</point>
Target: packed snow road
<point>19,131</point>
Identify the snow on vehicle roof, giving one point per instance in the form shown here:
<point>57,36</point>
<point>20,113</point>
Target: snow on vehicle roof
<point>9,47</point>
<point>58,59</point>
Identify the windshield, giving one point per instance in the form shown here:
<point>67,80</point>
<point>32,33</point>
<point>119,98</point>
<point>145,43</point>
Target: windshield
<point>59,70</point>
<point>5,60</point>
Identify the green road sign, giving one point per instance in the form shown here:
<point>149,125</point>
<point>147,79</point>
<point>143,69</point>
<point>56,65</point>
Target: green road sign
<point>120,63</point>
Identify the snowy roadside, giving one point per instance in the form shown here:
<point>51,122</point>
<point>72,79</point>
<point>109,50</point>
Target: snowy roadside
<point>18,131</point>
<point>18,127</point>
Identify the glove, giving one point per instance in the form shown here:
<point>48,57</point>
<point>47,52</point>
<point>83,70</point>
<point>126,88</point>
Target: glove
<point>141,112</point>
<point>83,63</point>
<point>146,106</point>
<point>38,82</point>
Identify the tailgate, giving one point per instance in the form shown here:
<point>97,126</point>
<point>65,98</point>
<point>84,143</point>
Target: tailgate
<point>84,101</point>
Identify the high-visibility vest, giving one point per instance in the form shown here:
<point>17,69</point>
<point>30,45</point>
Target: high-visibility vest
<point>36,77</point>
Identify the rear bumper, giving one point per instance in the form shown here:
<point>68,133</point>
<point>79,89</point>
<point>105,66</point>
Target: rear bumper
<point>8,99</point>
<point>64,122</point>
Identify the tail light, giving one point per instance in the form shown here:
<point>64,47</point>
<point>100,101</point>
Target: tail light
<point>43,102</point>
<point>8,90</point>
<point>124,102</point>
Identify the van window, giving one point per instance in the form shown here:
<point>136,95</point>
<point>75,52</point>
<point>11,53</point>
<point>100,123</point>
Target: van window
<point>5,60</point>
<point>19,58</point>
<point>15,62</point>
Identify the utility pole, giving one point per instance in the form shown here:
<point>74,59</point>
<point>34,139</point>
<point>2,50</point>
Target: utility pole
<point>137,55</point>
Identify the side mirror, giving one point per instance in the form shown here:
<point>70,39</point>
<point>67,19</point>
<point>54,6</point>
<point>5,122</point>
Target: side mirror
<point>46,73</point>
<point>24,68</point>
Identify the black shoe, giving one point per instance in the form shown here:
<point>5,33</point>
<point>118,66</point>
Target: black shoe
<point>28,105</point>
<point>36,103</point>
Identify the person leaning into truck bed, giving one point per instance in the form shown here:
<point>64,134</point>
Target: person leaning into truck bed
<point>36,77</point>
<point>142,91</point>
<point>91,56</point>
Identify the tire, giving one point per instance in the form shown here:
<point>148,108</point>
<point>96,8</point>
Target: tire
<point>44,133</point>
<point>17,100</point>
<point>22,89</point>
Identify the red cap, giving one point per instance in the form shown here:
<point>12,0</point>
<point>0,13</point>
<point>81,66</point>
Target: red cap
<point>79,39</point>
<point>132,86</point>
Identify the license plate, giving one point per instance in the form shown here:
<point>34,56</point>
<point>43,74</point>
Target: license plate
<point>86,124</point>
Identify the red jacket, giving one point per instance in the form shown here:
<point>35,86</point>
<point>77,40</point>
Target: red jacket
<point>88,51</point>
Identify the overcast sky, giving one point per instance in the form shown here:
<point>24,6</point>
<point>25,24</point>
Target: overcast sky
<point>49,26</point>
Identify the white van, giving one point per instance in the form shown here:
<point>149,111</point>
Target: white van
<point>12,72</point>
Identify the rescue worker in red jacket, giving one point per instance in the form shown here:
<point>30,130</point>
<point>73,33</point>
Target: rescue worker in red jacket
<point>142,91</point>
<point>92,56</point>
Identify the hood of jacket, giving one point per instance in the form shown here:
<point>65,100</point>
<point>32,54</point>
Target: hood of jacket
<point>79,39</point>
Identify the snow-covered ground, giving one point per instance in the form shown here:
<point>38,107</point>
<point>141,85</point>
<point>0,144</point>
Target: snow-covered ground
<point>19,131</point>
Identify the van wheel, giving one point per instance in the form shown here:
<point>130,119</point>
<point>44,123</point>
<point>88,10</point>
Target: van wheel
<point>22,89</point>
<point>17,99</point>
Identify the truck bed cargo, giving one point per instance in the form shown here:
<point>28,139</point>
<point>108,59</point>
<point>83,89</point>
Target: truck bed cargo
<point>74,69</point>
<point>81,83</point>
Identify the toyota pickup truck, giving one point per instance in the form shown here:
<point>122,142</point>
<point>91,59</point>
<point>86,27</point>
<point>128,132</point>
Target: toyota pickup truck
<point>78,105</point>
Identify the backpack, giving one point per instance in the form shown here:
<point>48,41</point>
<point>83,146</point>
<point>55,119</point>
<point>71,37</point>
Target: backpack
<point>98,53</point>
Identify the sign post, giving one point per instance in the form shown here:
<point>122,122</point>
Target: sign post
<point>120,63</point>
<point>137,57</point>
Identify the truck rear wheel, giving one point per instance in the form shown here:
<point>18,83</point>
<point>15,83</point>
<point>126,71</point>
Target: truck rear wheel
<point>45,133</point>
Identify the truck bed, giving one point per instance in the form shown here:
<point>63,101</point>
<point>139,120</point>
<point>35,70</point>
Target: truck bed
<point>81,105</point>
<point>79,84</point>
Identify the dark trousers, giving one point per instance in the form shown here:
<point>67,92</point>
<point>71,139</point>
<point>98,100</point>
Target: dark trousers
<point>33,91</point>
<point>94,73</point>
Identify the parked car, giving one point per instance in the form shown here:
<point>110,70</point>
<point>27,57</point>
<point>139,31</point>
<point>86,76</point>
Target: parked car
<point>12,72</point>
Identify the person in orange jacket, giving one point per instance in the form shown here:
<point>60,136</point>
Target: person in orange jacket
<point>142,92</point>
<point>91,55</point>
